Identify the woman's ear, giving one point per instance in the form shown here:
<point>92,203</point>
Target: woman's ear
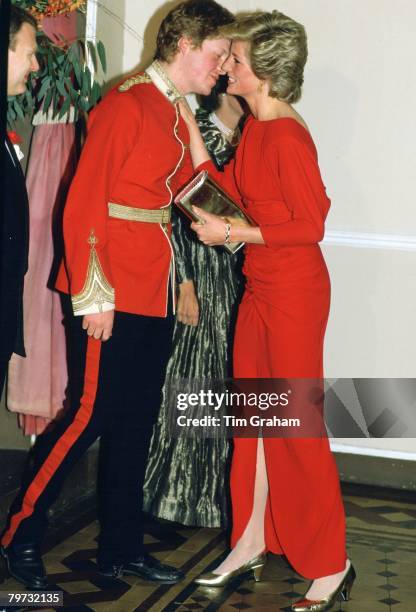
<point>263,86</point>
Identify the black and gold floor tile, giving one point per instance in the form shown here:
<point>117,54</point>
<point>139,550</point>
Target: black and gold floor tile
<point>381,543</point>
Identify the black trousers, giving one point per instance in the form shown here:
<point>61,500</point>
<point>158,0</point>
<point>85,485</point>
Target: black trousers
<point>115,390</point>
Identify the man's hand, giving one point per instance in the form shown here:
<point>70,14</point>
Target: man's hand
<point>187,311</point>
<point>100,325</point>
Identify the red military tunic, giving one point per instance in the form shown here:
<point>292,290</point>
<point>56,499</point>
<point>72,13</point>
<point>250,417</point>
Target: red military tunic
<point>130,153</point>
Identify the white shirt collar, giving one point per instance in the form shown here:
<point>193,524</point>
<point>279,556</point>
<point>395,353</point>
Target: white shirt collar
<point>162,82</point>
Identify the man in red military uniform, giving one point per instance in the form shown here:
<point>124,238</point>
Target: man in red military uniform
<point>119,272</point>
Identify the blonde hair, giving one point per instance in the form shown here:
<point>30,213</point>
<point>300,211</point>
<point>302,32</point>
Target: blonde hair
<point>277,50</point>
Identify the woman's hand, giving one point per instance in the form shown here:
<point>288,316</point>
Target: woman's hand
<point>187,310</point>
<point>187,115</point>
<point>212,230</point>
<point>199,153</point>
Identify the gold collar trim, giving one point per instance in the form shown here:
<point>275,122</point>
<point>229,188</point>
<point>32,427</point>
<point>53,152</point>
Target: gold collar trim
<point>163,83</point>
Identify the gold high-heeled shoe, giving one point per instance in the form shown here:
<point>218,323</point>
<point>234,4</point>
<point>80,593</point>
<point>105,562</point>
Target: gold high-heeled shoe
<point>342,592</point>
<point>255,565</point>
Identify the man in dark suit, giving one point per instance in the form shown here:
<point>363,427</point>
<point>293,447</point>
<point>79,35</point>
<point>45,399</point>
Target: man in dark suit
<point>14,230</point>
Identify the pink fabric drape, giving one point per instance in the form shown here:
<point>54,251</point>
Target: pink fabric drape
<point>36,384</point>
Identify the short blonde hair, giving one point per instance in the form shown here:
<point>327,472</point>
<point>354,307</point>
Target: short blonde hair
<point>277,50</point>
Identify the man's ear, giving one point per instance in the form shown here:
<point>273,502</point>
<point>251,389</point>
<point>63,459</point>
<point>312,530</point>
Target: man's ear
<point>184,44</point>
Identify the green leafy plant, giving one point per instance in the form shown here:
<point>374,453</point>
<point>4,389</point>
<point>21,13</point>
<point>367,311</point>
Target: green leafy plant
<point>39,5</point>
<point>64,79</point>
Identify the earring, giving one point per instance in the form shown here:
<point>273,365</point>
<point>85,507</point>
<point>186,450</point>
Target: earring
<point>260,87</point>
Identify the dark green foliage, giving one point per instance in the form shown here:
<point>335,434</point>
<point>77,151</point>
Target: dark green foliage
<point>39,5</point>
<point>64,78</point>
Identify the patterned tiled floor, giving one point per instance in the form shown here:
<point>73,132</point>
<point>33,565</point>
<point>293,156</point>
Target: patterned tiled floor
<point>381,542</point>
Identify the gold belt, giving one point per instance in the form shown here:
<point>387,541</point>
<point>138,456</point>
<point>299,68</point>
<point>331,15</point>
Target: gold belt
<point>146,215</point>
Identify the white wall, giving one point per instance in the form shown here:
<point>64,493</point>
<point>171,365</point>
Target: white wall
<point>359,101</point>
<point>109,26</point>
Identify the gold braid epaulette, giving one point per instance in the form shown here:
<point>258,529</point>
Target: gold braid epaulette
<point>135,80</point>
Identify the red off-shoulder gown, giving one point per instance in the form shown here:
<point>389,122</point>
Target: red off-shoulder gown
<point>279,334</point>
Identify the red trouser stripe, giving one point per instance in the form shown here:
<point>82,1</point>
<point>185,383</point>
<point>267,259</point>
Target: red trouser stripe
<point>65,442</point>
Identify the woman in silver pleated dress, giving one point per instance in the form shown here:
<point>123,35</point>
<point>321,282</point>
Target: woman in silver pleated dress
<point>186,476</point>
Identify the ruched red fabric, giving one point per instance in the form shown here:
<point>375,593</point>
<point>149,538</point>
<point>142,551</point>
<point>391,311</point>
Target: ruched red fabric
<point>279,334</point>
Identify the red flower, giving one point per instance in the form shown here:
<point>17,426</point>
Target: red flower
<point>14,137</point>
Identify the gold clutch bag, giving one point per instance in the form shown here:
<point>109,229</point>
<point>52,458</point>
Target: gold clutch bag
<point>204,192</point>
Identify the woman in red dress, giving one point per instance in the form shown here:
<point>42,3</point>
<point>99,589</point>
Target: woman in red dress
<point>285,492</point>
